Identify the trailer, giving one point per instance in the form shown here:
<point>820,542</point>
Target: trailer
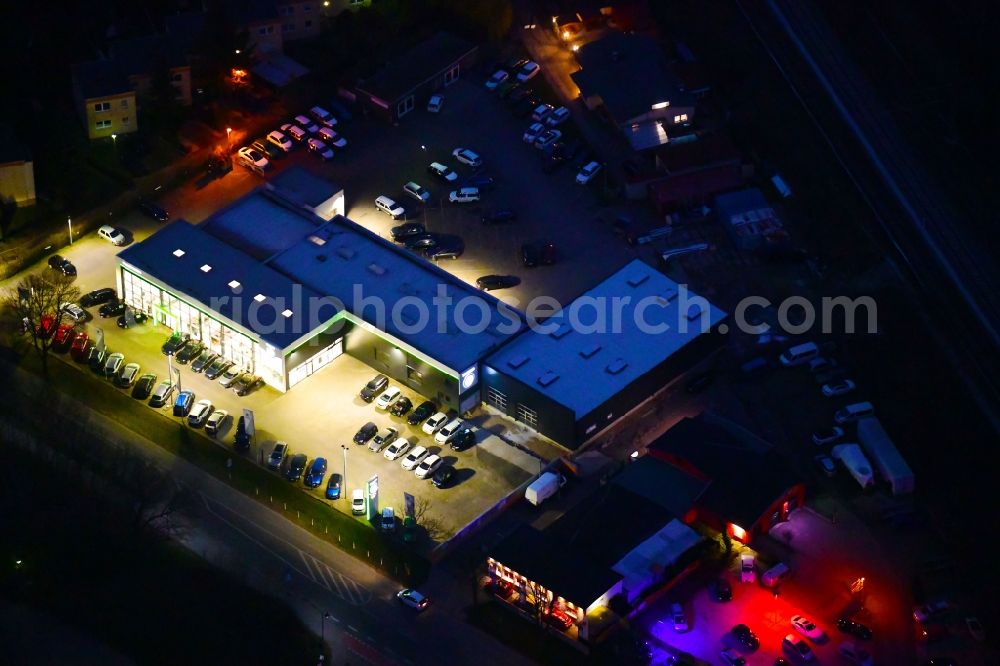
<point>853,458</point>
<point>884,455</point>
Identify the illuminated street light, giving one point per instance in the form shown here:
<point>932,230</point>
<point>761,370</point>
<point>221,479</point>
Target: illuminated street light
<point>634,455</point>
<point>237,51</point>
<point>229,139</point>
<point>69,223</point>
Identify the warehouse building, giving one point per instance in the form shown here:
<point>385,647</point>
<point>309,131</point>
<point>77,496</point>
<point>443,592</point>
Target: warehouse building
<point>281,283</point>
<point>573,377</point>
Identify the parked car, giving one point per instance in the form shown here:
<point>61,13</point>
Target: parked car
<point>748,568</point>
<point>497,78</point>
<point>542,252</point>
<point>467,157</point>
<point>428,466</point>
<point>434,423</point>
<point>406,230</point>
<point>130,318</point>
<point>441,172</point>
<point>366,432</point>
<point>358,503</point>
<point>435,103</point>
<point>144,386</point>
<point>421,242</point>
<point>153,210</point>
<point>462,439</point>
<point>557,117</point>
<point>277,455</point>
<point>389,206</point>
<point>98,297</point>
<point>61,264</point>
<point>855,629</point>
<point>241,438</point>
<point>587,172</point>
<point>930,610</point>
<point>217,366</point>
<point>387,398</point>
<point>838,388</point>
<point>280,141</point>
<point>113,364</point>
<point>113,235</point>
<point>450,249</point>
<point>493,282</point>
<point>204,359</point>
<point>184,402</point>
<point>63,338</point>
<point>246,383</point>
<point>678,617</point>
<point>528,71</point>
<point>547,138</point>
<point>199,413</point>
<point>375,385</point>
<point>534,131</point>
<point>383,439</point>
<point>315,473</point>
<point>541,112</point>
<point>443,477</point>
<point>388,520</point>
<point>745,637</point>
<point>162,394</point>
<point>189,352</point>
<point>808,628</point>
<point>79,349</point>
<point>415,191</point>
<point>216,421</point>
<point>296,466</point>
<point>798,648</point>
<point>307,124</point>
<point>320,149</point>
<point>558,619</point>
<point>731,657</point>
<point>229,376</point>
<point>828,436</point>
<point>322,116</point>
<point>464,195</point>
<point>421,413</point>
<point>413,599</point>
<point>97,359</point>
<point>398,448</point>
<point>442,435</point>
<point>722,590</point>
<point>414,457</point>
<point>499,216</point>
<point>127,376</point>
<point>74,312</point>
<point>330,137</point>
<point>341,109</point>
<point>253,159</point>
<point>401,406</point>
<point>175,343</point>
<point>112,309</point>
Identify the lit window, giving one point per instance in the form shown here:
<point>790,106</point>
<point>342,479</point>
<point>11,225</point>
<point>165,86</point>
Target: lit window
<point>259,297</point>
<point>286,314</point>
<point>206,268</point>
<point>682,118</point>
<point>178,253</point>
<point>234,284</point>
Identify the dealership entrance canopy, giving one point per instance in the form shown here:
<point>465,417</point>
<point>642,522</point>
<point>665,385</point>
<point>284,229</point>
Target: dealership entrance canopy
<point>281,283</point>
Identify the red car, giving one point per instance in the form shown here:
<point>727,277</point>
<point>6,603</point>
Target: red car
<point>63,338</point>
<point>46,326</point>
<point>79,348</point>
<point>559,619</point>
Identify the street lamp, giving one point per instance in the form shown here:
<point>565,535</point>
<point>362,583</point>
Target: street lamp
<point>343,482</point>
<point>229,135</point>
<point>322,631</point>
<point>69,223</point>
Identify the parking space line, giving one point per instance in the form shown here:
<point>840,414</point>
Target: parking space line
<point>318,579</point>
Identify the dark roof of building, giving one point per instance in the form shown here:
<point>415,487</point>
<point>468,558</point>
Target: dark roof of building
<point>661,484</point>
<point>100,78</point>
<point>735,203</point>
<point>143,55</point>
<point>246,12</point>
<point>12,150</point>
<point>695,187</point>
<point>707,151</point>
<point>629,73</point>
<point>303,187</point>
<point>746,474</point>
<point>547,560</point>
<point>424,61</point>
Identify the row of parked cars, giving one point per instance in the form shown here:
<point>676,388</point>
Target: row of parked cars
<point>186,351</point>
<point>313,130</point>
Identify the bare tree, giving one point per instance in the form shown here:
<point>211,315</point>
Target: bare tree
<point>155,497</point>
<point>36,302</point>
<point>432,526</point>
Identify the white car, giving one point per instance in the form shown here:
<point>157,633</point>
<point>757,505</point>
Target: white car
<point>358,502</point>
<point>541,112</point>
<point>529,71</point>
<point>389,206</point>
<point>216,421</point>
<point>442,172</point>
<point>230,376</point>
<point>466,156</point>
<point>435,103</point>
<point>387,398</point>
<point>798,648</point>
<point>320,149</point>
<point>838,388</point>
<point>498,77</point>
<point>417,192</point>
<point>296,133</point>
<point>253,159</point>
<point>853,654</point>
<point>113,364</point>
<point>414,457</point>
<point>557,117</point>
<point>306,124</point>
<point>278,139</point>
<point>679,618</point>
<point>547,138</point>
<point>748,568</point>
<point>533,132</point>
<point>111,234</point>
<point>323,116</point>
<point>128,375</point>
<point>587,172</point>
<point>823,437</point>
<point>807,628</point>
<point>331,137</point>
<point>428,466</point>
<point>464,195</point>
<point>73,311</point>
<point>447,431</point>
<point>397,449</point>
<point>199,412</point>
<point>434,423</point>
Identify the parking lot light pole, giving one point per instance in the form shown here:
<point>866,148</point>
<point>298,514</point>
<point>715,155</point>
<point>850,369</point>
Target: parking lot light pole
<point>69,223</point>
<point>323,619</point>
<point>343,482</point>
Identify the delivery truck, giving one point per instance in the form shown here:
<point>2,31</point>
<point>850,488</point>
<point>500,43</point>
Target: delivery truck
<point>544,487</point>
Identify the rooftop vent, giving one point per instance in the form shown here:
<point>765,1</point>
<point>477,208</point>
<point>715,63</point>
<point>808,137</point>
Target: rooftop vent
<point>547,378</point>
<point>206,268</point>
<point>561,331</point>
<point>259,298</point>
<point>286,313</point>
<point>317,240</point>
<point>178,253</point>
<point>345,253</point>
<point>590,351</point>
<point>638,279</point>
<point>376,269</point>
<point>616,366</point>
<point>517,361</point>
<point>234,284</point>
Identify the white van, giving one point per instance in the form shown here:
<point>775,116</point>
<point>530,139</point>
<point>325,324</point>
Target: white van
<point>775,575</point>
<point>799,354</point>
<point>390,207</point>
<point>854,412</point>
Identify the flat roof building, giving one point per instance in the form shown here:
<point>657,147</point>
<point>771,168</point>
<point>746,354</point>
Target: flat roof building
<point>600,356</point>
